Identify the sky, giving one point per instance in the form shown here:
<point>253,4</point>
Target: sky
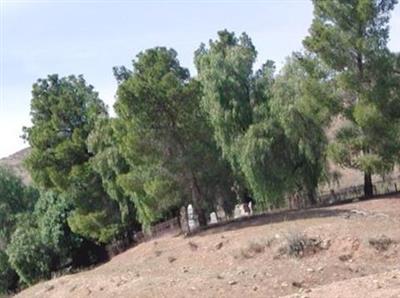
<point>41,37</point>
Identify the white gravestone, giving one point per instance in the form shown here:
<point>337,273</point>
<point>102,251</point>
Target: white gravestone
<point>192,220</point>
<point>213,218</point>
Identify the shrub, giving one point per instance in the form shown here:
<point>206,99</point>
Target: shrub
<point>28,255</point>
<point>299,245</point>
<point>382,243</point>
<point>8,277</point>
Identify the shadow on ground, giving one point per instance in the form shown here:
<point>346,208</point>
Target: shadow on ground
<point>262,219</point>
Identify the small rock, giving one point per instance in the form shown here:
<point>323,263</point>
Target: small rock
<point>345,258</point>
<point>219,276</point>
<point>171,259</point>
<point>233,282</point>
<point>49,288</point>
<point>325,244</point>
<point>219,245</point>
<point>284,284</point>
<point>255,288</point>
<point>193,288</point>
<point>193,246</point>
<point>297,284</point>
<point>310,270</point>
<point>320,269</point>
<point>185,270</point>
<point>158,253</point>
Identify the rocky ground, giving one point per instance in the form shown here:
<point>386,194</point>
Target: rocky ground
<point>342,251</point>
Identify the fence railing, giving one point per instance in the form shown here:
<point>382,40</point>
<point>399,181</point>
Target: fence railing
<point>165,227</point>
<point>382,187</point>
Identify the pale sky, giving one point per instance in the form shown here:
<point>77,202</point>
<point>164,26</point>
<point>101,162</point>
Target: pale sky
<point>41,37</point>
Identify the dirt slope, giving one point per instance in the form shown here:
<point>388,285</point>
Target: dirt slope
<point>248,259</point>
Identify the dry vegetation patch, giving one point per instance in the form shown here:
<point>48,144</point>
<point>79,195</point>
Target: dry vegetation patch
<point>300,245</point>
<point>381,243</point>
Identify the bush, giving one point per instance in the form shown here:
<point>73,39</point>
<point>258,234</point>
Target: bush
<point>382,243</point>
<point>28,255</point>
<point>8,277</point>
<point>299,245</point>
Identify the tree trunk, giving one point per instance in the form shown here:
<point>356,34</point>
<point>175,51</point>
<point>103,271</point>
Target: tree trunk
<point>368,187</point>
<point>312,200</point>
<point>196,198</point>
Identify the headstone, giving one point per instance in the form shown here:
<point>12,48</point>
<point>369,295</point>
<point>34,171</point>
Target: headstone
<point>184,220</point>
<point>213,218</point>
<point>192,219</point>
<point>221,213</point>
<point>237,212</point>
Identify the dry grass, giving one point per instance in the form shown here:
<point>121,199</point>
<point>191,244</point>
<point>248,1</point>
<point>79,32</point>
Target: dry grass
<point>299,245</point>
<point>382,243</point>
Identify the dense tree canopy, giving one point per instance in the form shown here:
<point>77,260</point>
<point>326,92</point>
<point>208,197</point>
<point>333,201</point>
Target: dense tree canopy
<point>167,144</point>
<point>265,125</point>
<point>64,111</point>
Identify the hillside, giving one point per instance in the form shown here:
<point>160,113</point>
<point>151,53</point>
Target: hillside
<point>15,163</point>
<point>345,251</point>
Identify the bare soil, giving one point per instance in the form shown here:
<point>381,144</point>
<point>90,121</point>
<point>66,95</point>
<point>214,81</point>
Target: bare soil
<point>250,258</point>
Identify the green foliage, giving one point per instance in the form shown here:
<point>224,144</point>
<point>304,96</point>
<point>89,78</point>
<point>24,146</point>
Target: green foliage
<point>350,38</point>
<point>304,102</point>
<point>27,253</point>
<point>165,138</point>
<point>64,112</point>
<point>225,72</point>
<point>8,277</point>
<point>15,198</point>
<point>270,129</point>
<point>109,163</point>
<point>52,212</point>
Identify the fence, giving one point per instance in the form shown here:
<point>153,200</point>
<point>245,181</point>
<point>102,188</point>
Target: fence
<point>169,226</point>
<point>382,187</point>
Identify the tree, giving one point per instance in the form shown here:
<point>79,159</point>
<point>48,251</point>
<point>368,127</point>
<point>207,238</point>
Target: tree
<point>304,101</point>
<point>64,112</point>
<point>350,37</point>
<point>167,142</point>
<point>225,72</point>
<point>104,143</point>
<point>261,124</point>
